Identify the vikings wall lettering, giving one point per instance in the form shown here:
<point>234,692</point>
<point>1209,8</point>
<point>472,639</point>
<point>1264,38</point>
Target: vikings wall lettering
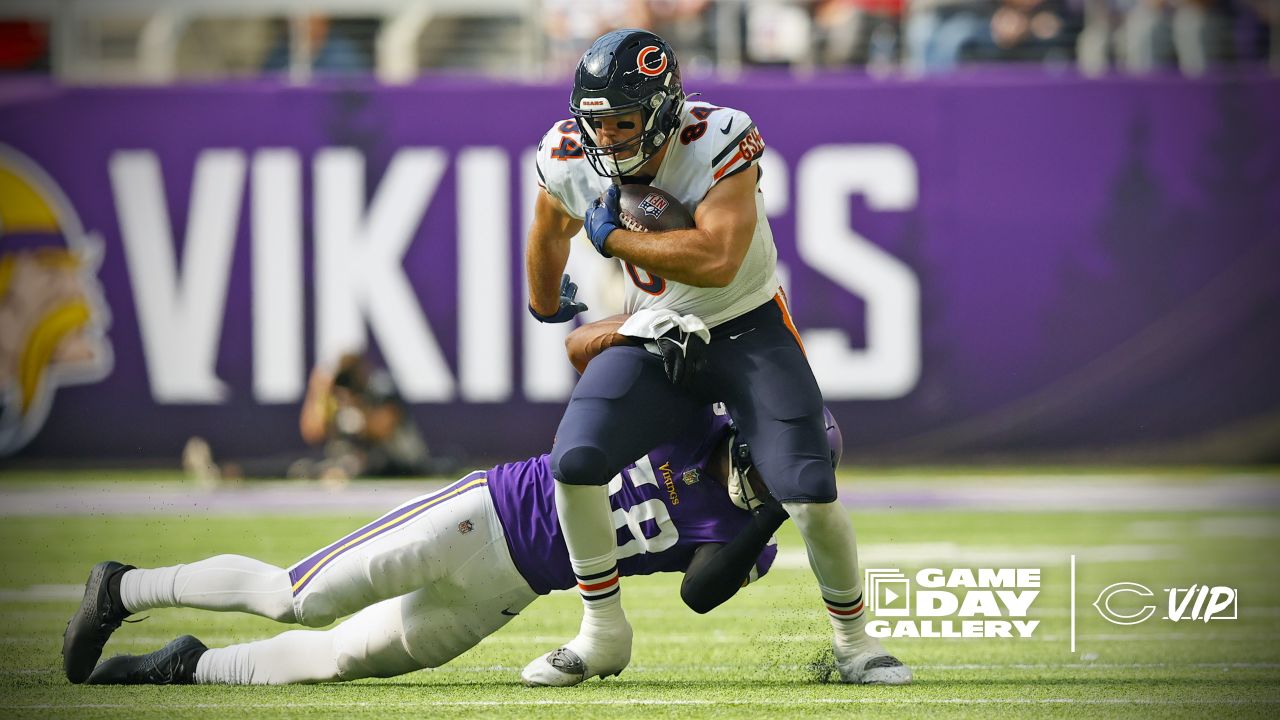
<point>359,246</point>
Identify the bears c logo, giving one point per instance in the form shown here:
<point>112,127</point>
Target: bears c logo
<point>643,64</point>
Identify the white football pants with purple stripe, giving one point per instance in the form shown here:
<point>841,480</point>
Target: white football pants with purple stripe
<point>430,579</point>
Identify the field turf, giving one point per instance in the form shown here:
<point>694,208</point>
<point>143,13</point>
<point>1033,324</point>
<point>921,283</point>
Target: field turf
<point>761,655</point>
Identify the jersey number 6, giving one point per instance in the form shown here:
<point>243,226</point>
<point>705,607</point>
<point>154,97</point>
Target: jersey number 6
<point>655,285</point>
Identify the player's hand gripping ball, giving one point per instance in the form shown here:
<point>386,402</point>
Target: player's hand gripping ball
<point>638,208</point>
<point>602,218</point>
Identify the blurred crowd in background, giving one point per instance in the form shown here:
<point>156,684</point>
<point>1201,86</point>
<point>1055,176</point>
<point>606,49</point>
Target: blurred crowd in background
<point>164,40</point>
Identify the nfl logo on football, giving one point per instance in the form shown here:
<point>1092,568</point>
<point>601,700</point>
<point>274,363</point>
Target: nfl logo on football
<point>653,204</point>
<point>960,603</point>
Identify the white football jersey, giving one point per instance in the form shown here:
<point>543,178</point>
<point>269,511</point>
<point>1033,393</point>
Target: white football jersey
<point>712,143</point>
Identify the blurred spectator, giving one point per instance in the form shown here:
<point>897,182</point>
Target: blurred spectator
<point>859,32</point>
<point>1035,29</point>
<point>356,414</point>
<point>1254,29</point>
<point>778,33</point>
<point>688,25</point>
<point>337,46</point>
<point>219,47</point>
<point>24,46</point>
<point>940,33</point>
<point>1194,35</point>
<point>571,26</point>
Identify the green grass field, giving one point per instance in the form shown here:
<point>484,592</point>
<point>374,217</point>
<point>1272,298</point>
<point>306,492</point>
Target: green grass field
<point>757,656</point>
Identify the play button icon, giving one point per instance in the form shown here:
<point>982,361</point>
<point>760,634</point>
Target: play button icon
<point>884,599</point>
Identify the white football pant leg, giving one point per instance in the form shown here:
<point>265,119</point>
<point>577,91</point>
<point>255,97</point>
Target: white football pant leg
<point>225,583</point>
<point>414,546</point>
<point>424,628</point>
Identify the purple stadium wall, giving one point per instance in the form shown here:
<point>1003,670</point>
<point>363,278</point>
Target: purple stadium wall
<point>1028,268</point>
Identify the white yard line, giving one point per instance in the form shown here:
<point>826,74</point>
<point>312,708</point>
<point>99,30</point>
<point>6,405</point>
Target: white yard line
<point>717,638</point>
<point>778,702</point>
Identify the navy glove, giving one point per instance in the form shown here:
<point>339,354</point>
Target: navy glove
<point>602,218</point>
<point>569,305</point>
<point>683,356</point>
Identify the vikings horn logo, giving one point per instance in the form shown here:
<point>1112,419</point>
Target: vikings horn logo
<point>53,317</point>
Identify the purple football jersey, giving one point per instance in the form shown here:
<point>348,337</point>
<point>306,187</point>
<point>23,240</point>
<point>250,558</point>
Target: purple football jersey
<point>665,505</point>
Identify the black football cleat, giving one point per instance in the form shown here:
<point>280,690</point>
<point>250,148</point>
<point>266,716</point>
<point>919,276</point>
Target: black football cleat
<point>173,664</point>
<point>100,613</point>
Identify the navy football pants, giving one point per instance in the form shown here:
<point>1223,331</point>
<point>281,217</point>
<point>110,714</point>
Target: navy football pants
<point>624,406</point>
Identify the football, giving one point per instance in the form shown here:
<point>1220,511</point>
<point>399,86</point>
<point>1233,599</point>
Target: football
<point>649,209</point>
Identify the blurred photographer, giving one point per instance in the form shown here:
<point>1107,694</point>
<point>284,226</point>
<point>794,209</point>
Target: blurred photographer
<point>356,413</point>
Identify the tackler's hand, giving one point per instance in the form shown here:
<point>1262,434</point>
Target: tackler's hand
<point>684,354</point>
<point>569,305</point>
<point>603,218</point>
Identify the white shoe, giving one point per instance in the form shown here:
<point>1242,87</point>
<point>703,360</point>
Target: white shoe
<point>567,666</point>
<point>873,667</point>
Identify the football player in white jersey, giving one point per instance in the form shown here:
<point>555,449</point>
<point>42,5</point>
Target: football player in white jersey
<point>632,123</point>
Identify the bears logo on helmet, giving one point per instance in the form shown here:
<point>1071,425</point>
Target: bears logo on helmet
<point>622,72</point>
<point>642,61</point>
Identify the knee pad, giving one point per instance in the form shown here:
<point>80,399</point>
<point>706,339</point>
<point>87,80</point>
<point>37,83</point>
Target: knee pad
<point>803,481</point>
<point>313,611</point>
<point>582,465</point>
<point>364,652</point>
<point>817,481</point>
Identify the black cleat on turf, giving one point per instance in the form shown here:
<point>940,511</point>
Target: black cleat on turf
<point>173,664</point>
<point>100,613</point>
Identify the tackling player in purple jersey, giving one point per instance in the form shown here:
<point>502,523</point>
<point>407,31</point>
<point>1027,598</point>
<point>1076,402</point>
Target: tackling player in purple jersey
<point>665,506</point>
<point>437,574</point>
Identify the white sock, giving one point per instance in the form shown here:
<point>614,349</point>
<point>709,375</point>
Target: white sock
<point>833,555</point>
<point>297,656</point>
<point>222,583</point>
<point>593,547</point>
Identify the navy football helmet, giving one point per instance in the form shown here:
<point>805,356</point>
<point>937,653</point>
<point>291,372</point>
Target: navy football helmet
<point>622,71</point>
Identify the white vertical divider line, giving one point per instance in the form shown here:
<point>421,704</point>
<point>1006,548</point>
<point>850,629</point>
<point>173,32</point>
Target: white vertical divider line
<point>1073,603</point>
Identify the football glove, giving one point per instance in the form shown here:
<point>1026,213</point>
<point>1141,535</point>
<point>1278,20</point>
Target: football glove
<point>602,218</point>
<point>684,354</point>
<point>569,305</point>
